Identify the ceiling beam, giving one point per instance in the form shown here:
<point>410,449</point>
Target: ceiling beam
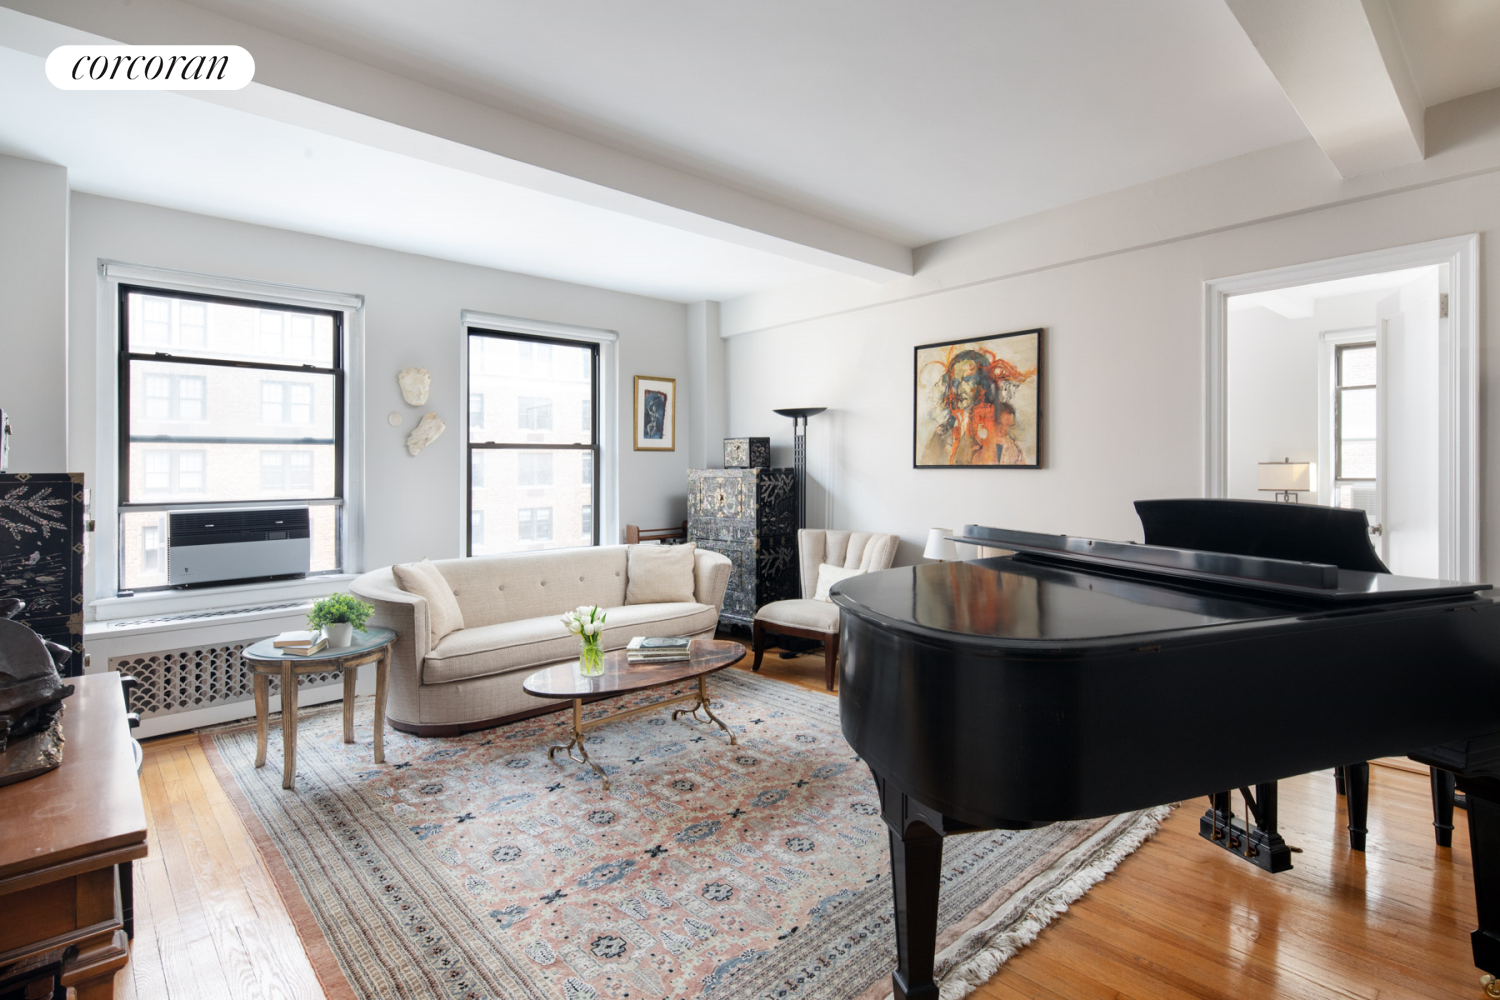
<point>1341,64</point>
<point>314,88</point>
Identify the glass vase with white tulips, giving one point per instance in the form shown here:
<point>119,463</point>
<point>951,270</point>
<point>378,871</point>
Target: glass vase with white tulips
<point>588,624</point>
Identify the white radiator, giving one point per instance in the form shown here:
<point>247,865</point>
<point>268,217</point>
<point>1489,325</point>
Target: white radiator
<point>189,665</point>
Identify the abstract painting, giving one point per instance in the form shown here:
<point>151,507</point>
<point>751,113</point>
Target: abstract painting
<point>655,413</point>
<point>979,403</point>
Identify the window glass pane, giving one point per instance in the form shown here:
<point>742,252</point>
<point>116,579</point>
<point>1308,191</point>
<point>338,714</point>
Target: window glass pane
<point>228,330</point>
<point>530,499</point>
<point>476,528</point>
<point>228,471</point>
<point>1357,459</point>
<point>1357,413</point>
<point>586,532</point>
<point>476,411</point>
<point>1357,365</point>
<point>237,402</point>
<point>533,393</point>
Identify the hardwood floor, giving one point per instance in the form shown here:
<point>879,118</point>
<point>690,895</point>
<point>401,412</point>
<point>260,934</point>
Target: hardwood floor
<point>1177,919</point>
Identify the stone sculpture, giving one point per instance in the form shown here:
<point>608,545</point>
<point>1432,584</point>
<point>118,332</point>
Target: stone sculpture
<point>414,382</point>
<point>426,432</point>
<point>31,699</point>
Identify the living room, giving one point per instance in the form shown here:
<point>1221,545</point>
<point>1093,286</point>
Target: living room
<point>700,218</point>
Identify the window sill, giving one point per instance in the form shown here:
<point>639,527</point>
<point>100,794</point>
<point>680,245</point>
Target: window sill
<point>229,596</point>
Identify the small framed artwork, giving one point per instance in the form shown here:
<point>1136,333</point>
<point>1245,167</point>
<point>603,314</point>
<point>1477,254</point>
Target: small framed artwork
<point>979,403</point>
<point>655,413</point>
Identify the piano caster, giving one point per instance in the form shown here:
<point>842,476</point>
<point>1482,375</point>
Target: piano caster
<point>1491,987</point>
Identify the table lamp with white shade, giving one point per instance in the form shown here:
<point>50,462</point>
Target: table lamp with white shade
<point>1286,479</point>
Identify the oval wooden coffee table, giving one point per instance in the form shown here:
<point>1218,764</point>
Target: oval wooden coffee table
<point>620,676</point>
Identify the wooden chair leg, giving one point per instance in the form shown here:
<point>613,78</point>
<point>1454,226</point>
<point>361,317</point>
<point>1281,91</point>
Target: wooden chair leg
<point>757,643</point>
<point>831,658</point>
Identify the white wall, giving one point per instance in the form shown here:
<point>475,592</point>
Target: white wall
<point>1273,395</point>
<point>1123,396</point>
<point>33,322</point>
<point>412,307</point>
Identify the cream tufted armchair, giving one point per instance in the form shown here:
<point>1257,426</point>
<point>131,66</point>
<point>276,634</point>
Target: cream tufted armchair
<point>819,619</point>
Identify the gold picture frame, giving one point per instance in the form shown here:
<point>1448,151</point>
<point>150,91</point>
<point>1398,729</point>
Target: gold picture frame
<point>655,409</point>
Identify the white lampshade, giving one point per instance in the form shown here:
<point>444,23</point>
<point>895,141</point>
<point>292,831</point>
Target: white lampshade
<point>938,546</point>
<point>1286,477</point>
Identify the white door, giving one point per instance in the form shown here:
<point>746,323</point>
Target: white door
<point>1409,478</point>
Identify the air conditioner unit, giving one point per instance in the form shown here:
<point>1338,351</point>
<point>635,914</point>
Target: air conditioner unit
<point>209,546</point>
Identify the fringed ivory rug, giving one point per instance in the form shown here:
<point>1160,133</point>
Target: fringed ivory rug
<point>476,868</point>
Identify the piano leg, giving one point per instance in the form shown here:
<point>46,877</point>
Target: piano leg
<point>916,833</point>
<point>1484,849</point>
<point>1357,800</point>
<point>916,870</point>
<point>1442,806</point>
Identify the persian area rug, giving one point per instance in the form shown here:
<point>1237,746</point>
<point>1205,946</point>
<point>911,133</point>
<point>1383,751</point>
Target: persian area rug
<point>477,869</point>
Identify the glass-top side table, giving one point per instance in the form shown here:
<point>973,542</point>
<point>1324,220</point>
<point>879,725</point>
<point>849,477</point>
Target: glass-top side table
<point>369,646</point>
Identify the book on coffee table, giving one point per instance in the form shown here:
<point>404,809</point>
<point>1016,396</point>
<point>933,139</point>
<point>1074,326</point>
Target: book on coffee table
<point>318,646</point>
<point>287,640</point>
<point>657,649</point>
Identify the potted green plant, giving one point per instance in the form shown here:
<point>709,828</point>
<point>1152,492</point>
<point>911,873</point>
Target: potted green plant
<point>338,615</point>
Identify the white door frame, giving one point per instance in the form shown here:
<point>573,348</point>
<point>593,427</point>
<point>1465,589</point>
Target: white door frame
<point>1458,378</point>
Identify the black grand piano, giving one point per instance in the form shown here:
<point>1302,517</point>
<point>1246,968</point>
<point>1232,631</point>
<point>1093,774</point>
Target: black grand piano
<point>1079,678</point>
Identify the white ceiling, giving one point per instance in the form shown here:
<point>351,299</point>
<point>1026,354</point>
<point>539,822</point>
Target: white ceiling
<point>915,121</point>
<point>903,122</point>
<point>1300,301</point>
<point>173,150</point>
<point>1451,46</point>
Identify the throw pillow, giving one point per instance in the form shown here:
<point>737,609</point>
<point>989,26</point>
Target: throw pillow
<point>828,575</point>
<point>424,580</point>
<point>659,574</point>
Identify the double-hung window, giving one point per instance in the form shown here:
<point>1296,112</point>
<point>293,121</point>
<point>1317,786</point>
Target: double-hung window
<point>531,477</point>
<point>225,403</point>
<point>1355,434</point>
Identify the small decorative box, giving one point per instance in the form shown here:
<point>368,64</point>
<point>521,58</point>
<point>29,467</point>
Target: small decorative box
<point>747,453</point>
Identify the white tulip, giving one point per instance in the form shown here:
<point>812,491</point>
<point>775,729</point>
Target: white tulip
<point>583,611</point>
<point>575,627</point>
<point>592,628</point>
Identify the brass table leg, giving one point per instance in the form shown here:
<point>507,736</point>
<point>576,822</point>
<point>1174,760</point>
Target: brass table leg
<point>703,704</point>
<point>577,741</point>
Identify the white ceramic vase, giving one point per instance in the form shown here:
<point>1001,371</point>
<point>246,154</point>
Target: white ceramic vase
<point>338,634</point>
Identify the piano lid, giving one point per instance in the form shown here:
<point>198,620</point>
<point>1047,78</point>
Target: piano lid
<point>1319,582</point>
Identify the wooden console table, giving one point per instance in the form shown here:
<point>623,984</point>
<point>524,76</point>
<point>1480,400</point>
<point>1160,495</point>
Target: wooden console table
<point>63,838</point>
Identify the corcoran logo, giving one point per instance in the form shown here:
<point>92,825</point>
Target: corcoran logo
<point>150,67</point>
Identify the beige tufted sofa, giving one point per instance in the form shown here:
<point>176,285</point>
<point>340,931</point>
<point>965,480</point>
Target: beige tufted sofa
<point>511,607</point>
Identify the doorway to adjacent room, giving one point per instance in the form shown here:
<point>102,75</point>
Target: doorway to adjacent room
<point>1353,383</point>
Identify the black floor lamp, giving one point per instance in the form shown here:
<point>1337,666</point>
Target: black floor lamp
<point>799,415</point>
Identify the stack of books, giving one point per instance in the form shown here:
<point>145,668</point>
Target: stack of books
<point>657,650</point>
<point>300,643</point>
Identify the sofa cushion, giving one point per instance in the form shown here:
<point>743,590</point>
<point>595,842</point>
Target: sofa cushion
<point>522,585</point>
<point>424,580</point>
<point>536,642</point>
<point>806,613</point>
<point>659,574</point>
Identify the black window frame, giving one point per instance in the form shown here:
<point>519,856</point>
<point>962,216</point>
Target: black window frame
<point>593,447</point>
<point>125,503</point>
